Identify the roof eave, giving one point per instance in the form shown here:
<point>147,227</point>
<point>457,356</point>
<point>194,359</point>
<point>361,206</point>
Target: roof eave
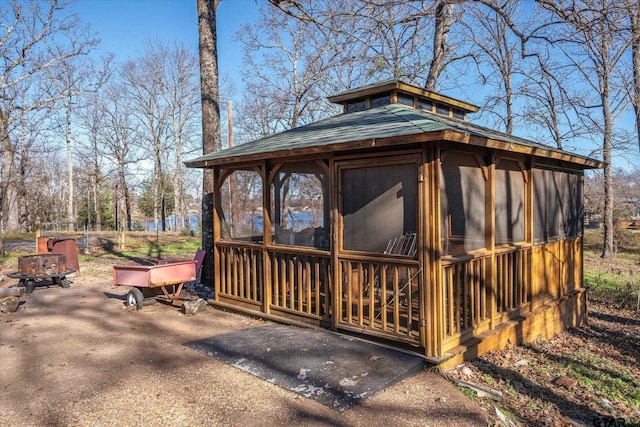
<point>342,146</point>
<point>515,147</point>
<point>443,135</point>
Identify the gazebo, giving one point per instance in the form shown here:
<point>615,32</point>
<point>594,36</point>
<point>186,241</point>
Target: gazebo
<point>399,220</point>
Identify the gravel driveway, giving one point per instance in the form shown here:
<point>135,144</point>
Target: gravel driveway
<point>78,357</point>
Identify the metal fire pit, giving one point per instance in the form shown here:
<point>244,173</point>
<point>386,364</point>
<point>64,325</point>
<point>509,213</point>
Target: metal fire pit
<point>42,267</point>
<point>42,264</point>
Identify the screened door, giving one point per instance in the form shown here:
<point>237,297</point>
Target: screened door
<point>378,270</point>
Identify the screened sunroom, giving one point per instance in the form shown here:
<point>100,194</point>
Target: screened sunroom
<point>401,221</point>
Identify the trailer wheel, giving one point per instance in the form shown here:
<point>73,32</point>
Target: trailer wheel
<point>135,298</point>
<point>30,285</point>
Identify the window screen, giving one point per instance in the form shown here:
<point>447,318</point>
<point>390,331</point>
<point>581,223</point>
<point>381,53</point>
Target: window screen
<point>378,204</point>
<point>540,206</point>
<point>573,212</point>
<point>241,199</point>
<point>509,203</point>
<point>299,205</point>
<point>558,205</point>
<point>462,203</point>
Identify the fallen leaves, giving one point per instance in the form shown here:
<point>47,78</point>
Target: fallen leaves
<point>566,382</point>
<point>584,375</point>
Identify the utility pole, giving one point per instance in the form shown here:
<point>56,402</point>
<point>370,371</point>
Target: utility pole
<point>232,180</point>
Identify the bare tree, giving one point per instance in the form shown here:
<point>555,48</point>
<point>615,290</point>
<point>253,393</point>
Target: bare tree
<point>145,87</point>
<point>181,96</point>
<point>550,106</point>
<point>286,63</point>
<point>396,32</point>
<point>29,130</point>
<point>497,52</point>
<point>632,7</point>
<point>117,134</point>
<point>36,37</point>
<point>210,97</point>
<point>590,40</point>
<point>73,78</point>
<point>443,20</point>
<point>91,118</point>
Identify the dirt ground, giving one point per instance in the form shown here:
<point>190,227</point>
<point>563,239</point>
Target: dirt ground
<point>79,357</point>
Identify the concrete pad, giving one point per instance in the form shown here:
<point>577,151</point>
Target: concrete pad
<point>335,370</point>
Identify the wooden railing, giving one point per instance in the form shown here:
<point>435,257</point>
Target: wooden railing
<point>466,294</point>
<point>299,281</point>
<point>242,267</point>
<point>471,300</point>
<point>380,297</point>
<point>512,286</point>
<point>297,278</point>
<point>377,295</point>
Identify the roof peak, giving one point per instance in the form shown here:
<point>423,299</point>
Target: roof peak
<point>396,91</point>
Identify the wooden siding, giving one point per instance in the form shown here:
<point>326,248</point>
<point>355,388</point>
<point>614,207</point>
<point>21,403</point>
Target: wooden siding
<point>557,269</point>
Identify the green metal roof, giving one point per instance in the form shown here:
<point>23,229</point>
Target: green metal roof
<point>389,121</point>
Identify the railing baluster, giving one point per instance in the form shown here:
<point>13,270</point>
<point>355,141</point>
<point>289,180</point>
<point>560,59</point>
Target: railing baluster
<point>466,293</point>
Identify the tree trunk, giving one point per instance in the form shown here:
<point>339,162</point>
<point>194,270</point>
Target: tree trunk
<point>96,182</point>
<point>22,200</point>
<point>127,198</point>
<point>608,247</point>
<point>163,207</point>
<point>178,197</point>
<point>634,13</point>
<point>210,121</point>
<point>96,204</point>
<point>9,214</point>
<point>443,24</point>
<point>156,206</point>
<point>71,219</point>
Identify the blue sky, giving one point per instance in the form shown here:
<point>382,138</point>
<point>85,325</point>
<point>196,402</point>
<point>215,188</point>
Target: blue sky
<point>124,25</point>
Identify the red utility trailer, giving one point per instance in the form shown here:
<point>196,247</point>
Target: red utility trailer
<point>152,282</point>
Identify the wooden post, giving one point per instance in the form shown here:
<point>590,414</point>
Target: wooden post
<point>214,264</point>
<point>38,230</point>
<point>267,287</point>
<point>336,242</point>
<point>491,274</point>
<point>435,310</point>
<point>532,261</point>
<point>121,236</point>
<point>424,248</point>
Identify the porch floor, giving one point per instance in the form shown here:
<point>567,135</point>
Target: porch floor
<point>333,369</point>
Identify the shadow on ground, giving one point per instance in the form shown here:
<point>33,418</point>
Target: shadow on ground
<point>335,370</point>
